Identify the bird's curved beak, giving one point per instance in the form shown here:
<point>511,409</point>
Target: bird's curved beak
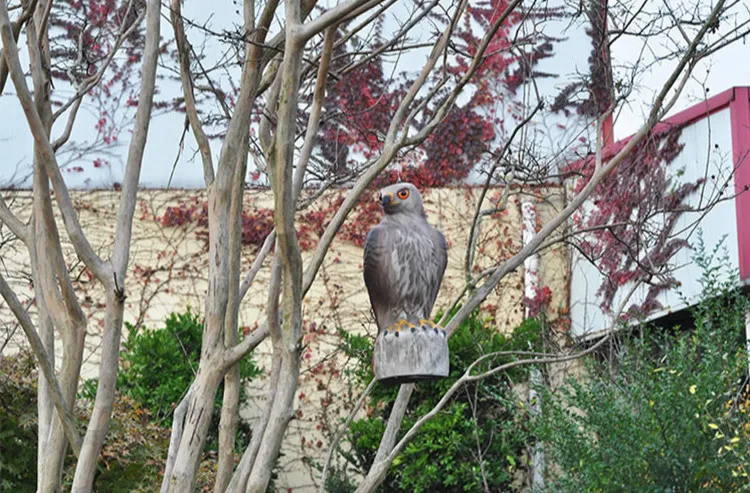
<point>386,199</point>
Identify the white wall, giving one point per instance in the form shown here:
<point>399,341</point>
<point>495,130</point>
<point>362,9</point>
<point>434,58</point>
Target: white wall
<point>707,152</point>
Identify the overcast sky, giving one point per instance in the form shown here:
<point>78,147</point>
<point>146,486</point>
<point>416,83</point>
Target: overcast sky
<point>728,68</point>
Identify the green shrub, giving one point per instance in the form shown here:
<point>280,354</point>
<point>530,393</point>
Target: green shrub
<point>668,413</point>
<point>159,365</point>
<point>443,456</point>
<point>132,455</point>
<point>18,420</point>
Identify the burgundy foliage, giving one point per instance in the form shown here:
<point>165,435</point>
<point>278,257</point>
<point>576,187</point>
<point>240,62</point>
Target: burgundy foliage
<point>539,302</point>
<point>361,104</point>
<point>633,219</point>
<point>256,223</point>
<point>598,87</point>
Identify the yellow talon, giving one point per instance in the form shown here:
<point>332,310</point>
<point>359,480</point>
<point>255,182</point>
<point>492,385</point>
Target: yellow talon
<point>399,326</point>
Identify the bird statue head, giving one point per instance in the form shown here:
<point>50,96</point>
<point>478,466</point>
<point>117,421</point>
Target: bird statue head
<point>401,198</point>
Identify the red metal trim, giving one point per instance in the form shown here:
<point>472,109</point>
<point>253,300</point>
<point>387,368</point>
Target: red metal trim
<point>740,117</point>
<point>738,101</point>
<point>685,117</point>
<point>701,110</point>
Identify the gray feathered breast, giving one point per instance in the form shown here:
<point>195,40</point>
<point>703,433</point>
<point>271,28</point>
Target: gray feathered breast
<point>405,259</point>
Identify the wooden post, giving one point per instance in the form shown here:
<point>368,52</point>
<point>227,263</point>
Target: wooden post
<point>415,353</point>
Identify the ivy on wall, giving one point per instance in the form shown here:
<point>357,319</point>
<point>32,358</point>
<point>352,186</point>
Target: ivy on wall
<point>631,223</point>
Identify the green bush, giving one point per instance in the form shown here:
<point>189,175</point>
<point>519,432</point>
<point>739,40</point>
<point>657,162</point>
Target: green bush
<point>157,367</point>
<point>668,413</point>
<point>18,420</point>
<point>132,455</point>
<point>443,456</point>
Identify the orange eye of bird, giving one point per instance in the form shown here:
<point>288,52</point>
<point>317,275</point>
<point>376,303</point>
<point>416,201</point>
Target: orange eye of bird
<point>403,194</point>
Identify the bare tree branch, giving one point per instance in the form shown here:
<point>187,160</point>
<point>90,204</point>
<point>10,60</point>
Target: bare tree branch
<point>63,409</point>
<point>47,154</point>
<point>340,434</point>
<point>187,91</point>
<point>314,120</point>
<point>110,351</point>
<point>331,17</point>
<point>16,27</point>
<point>14,224</point>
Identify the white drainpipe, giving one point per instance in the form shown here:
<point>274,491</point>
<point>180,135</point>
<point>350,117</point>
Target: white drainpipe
<point>531,282</point>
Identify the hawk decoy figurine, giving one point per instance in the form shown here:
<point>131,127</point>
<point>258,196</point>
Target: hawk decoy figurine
<point>405,259</point>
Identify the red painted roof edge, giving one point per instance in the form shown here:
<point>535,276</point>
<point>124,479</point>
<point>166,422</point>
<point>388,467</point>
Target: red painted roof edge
<point>703,109</point>
<point>738,101</point>
<point>740,118</point>
<point>685,117</point>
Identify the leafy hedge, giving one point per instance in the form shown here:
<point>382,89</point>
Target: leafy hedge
<point>668,413</point>
<point>18,423</point>
<point>158,365</point>
<point>443,457</point>
<point>157,368</point>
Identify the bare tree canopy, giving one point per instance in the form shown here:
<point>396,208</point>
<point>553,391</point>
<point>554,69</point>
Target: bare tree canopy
<point>305,98</point>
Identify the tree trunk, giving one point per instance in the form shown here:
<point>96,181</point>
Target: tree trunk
<point>230,406</point>
<point>286,336</point>
<point>198,418</point>
<point>281,413</point>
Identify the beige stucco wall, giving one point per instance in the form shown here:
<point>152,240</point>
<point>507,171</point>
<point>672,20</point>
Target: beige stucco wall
<point>174,262</point>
